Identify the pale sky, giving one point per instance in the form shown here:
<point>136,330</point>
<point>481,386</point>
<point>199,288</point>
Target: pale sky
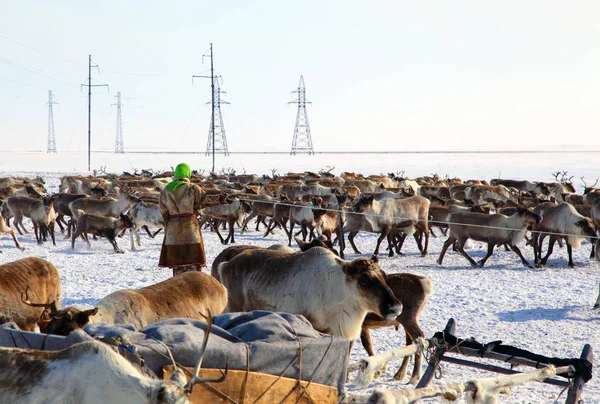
<point>397,75</point>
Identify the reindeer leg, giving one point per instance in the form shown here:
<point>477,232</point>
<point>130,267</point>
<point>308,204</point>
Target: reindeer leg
<point>341,242</point>
<point>460,246</point>
<point>231,236</point>
<point>412,331</point>
<point>490,251</point>
<point>75,234</point>
<point>132,232</point>
<point>87,239</point>
<point>16,224</point>
<point>426,247</point>
<point>518,252</point>
<point>51,231</point>
<point>400,242</point>
<point>384,232</point>
<point>418,236</point>
<point>401,373</point>
<point>215,225</point>
<point>258,220</point>
<point>115,246</point>
<point>550,249</point>
<point>36,228</point>
<point>570,252</point>
<point>14,236</point>
<point>291,232</point>
<point>451,240</point>
<point>59,218</point>
<point>269,228</point>
<point>351,240</point>
<point>390,240</point>
<point>147,231</point>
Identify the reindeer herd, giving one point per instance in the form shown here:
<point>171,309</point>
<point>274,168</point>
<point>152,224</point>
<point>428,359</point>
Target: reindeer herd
<point>339,297</point>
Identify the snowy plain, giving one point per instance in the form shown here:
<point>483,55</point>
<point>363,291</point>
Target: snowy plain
<point>547,311</point>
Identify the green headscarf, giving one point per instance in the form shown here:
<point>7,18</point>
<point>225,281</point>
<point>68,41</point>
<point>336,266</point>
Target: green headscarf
<point>182,171</point>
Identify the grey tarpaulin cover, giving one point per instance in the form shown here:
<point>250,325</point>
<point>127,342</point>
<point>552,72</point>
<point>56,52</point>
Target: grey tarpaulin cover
<point>267,339</point>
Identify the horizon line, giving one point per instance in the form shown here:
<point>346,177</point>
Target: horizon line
<point>321,152</point>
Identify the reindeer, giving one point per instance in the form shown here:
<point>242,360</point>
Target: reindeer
<point>406,215</point>
<point>412,291</point>
<point>43,216</point>
<point>103,226</point>
<point>145,215</point>
<point>231,213</point>
<point>588,188</point>
<point>597,258</point>
<point>561,221</point>
<point>59,376</point>
<point>494,230</point>
<point>4,229</point>
<point>32,275</point>
<point>184,296</point>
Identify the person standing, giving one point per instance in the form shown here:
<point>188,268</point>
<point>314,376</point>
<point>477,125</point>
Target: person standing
<point>180,202</point>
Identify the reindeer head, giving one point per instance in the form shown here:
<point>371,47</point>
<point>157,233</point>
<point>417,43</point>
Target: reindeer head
<point>317,242</point>
<point>59,322</point>
<point>370,281</point>
<point>126,221</point>
<point>363,204</point>
<point>529,216</point>
<point>587,227</point>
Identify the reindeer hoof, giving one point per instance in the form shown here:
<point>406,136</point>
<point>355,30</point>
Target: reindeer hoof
<point>414,381</point>
<point>120,252</point>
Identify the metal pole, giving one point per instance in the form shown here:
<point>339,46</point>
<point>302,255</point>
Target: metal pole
<point>212,87</point>
<point>89,111</point>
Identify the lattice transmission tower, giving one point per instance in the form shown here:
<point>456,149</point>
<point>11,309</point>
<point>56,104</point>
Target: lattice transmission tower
<point>216,123</point>
<point>51,137</point>
<point>302,142</point>
<point>119,146</point>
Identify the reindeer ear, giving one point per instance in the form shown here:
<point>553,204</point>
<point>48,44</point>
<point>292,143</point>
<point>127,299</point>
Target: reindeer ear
<point>375,258</point>
<point>92,312</point>
<point>302,244</point>
<point>356,267</point>
<point>582,223</point>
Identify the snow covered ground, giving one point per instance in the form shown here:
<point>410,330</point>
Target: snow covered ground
<point>547,311</point>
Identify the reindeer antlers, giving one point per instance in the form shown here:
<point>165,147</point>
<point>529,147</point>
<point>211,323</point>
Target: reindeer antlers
<point>51,306</point>
<point>195,379</point>
<point>25,299</point>
<point>586,185</point>
<point>563,177</point>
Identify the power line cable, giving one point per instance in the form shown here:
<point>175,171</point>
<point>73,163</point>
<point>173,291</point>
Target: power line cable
<point>39,51</point>
<point>36,72</point>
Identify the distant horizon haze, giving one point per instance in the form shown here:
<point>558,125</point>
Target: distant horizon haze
<point>389,75</point>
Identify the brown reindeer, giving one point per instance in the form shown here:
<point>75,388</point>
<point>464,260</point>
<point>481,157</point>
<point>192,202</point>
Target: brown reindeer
<point>102,226</point>
<point>39,278</point>
<point>413,292</point>
<point>188,295</point>
<point>406,215</point>
<point>4,229</point>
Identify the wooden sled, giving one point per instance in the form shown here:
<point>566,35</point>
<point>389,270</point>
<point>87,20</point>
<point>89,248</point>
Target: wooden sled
<point>252,387</point>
